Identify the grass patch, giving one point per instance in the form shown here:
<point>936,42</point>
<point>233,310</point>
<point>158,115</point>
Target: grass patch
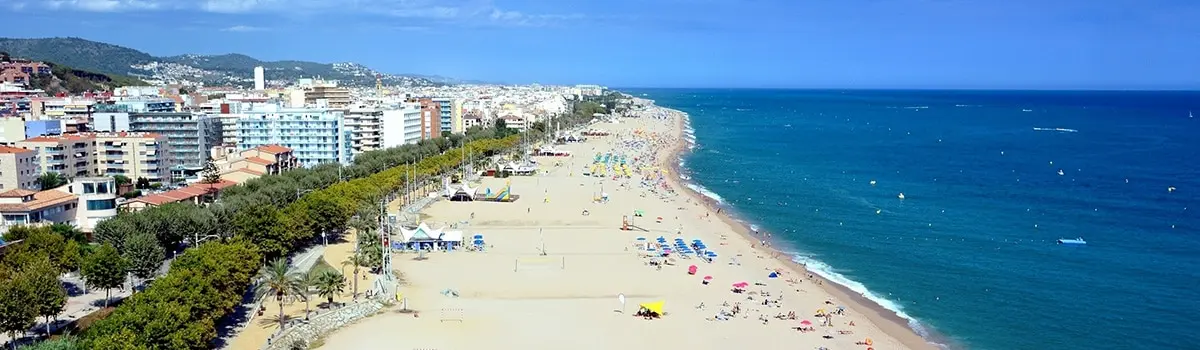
<point>82,324</point>
<point>322,266</point>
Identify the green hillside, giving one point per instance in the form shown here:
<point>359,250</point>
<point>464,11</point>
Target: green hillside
<point>78,53</point>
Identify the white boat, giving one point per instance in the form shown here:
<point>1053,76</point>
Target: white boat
<point>1190,115</point>
<point>1078,240</point>
<point>901,196</point>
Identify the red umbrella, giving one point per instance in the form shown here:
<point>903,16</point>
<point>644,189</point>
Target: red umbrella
<point>806,323</point>
<point>708,278</point>
<point>692,270</point>
<point>740,285</point>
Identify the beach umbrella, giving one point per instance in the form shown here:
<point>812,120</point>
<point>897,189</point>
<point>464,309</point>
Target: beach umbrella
<point>656,307</point>
<point>641,238</point>
<point>742,284</point>
<point>692,269</point>
<point>806,323</point>
<point>773,275</point>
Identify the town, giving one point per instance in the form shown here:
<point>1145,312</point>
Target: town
<point>143,146</point>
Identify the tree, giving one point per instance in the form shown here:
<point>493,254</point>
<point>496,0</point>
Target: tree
<point>69,232</point>
<point>121,179</point>
<point>16,317</point>
<point>104,269</point>
<point>278,279</point>
<point>52,180</point>
<point>143,255</point>
<point>210,173</point>
<point>142,183</point>
<point>330,283</point>
<point>304,286</point>
<point>72,256</point>
<point>49,296</point>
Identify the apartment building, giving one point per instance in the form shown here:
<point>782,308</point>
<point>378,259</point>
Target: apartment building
<point>401,125</point>
<point>18,168</point>
<point>190,135</point>
<point>365,125</point>
<point>70,154</point>
<point>431,116</point>
<point>135,155</point>
<point>445,113</point>
<point>21,71</point>
<point>68,108</point>
<point>315,135</point>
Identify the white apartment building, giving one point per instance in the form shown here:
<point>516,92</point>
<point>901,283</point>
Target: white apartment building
<point>401,125</point>
<point>365,125</point>
<point>315,135</point>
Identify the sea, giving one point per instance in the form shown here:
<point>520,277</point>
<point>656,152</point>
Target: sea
<point>990,181</point>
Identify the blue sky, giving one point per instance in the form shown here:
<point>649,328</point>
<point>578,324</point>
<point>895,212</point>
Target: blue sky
<point>1046,44</point>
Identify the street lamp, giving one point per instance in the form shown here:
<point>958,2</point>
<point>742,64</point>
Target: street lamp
<point>324,239</point>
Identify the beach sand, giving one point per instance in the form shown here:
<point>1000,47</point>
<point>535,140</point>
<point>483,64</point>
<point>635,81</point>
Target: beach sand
<point>515,295</point>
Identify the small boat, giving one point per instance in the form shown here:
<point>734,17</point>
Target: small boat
<point>901,196</point>
<point>1078,240</point>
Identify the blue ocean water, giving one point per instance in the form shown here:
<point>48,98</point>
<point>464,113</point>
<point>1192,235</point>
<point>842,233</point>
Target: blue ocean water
<point>970,252</point>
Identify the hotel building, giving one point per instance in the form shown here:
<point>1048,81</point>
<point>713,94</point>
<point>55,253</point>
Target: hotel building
<point>315,135</point>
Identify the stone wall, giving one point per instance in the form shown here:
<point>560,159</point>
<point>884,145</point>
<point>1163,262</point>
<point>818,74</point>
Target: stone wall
<point>322,325</point>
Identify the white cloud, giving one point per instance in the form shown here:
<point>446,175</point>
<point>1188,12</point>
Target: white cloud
<point>103,5</point>
<point>465,11</point>
<point>240,28</point>
<point>436,12</point>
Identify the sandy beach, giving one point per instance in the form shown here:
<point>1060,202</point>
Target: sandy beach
<point>551,275</point>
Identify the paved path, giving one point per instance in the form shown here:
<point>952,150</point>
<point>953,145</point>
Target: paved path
<point>247,311</point>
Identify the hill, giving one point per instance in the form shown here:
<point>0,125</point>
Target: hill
<point>227,69</point>
<point>66,79</point>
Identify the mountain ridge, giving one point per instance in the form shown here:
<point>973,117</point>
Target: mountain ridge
<point>223,69</point>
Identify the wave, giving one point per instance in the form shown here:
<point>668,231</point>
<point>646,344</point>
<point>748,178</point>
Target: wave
<point>1055,129</point>
<point>822,269</point>
<point>705,192</point>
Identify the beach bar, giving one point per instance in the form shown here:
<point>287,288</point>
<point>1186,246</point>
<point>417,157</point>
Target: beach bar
<point>423,237</point>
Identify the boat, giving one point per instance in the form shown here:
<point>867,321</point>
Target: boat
<point>1078,240</point>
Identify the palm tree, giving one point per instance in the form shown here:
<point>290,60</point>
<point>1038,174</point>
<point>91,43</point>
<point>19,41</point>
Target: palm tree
<point>329,284</point>
<point>304,286</point>
<point>278,279</point>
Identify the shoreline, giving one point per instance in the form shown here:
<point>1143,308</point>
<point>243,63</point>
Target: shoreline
<point>887,320</point>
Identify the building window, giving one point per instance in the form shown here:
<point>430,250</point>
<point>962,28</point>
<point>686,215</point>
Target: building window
<point>89,189</point>
<point>102,204</point>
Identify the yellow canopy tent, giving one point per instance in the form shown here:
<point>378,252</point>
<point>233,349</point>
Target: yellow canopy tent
<point>656,307</point>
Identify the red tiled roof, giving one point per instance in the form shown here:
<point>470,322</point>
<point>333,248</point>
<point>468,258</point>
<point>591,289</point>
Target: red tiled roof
<point>245,170</point>
<point>16,193</point>
<point>191,191</point>
<point>273,149</point>
<point>40,200</point>
<point>8,149</point>
<point>259,161</point>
